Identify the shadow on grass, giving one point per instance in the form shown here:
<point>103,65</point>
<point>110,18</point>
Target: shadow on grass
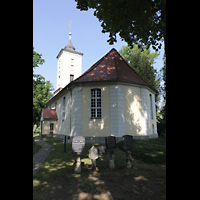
<point>152,151</point>
<point>56,178</point>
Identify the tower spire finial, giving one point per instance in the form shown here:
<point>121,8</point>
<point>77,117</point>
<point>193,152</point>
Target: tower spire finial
<point>69,45</point>
<point>70,37</point>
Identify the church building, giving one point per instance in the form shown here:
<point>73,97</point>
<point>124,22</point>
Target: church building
<point>109,99</point>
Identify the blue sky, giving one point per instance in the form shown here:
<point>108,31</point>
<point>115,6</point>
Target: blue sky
<point>51,34</point>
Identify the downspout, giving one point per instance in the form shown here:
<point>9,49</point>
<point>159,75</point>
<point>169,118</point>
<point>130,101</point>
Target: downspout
<point>70,115</point>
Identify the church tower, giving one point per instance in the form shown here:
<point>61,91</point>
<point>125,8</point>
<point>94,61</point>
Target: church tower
<point>69,65</point>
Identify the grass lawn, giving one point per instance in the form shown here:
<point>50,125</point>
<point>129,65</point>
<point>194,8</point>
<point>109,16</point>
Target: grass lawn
<point>56,179</point>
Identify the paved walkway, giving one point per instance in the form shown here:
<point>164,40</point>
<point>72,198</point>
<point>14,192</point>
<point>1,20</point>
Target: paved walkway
<point>41,155</point>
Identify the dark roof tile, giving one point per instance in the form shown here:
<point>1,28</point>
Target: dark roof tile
<point>49,113</point>
<point>111,67</point>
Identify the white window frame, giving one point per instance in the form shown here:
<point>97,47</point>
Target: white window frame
<point>95,99</point>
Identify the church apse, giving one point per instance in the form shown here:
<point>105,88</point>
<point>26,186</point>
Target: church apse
<point>96,127</point>
<point>133,111</point>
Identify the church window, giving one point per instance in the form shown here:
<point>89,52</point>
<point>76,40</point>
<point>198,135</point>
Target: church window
<point>151,106</point>
<point>71,77</point>
<point>51,127</point>
<point>95,103</point>
<point>63,102</point>
<point>63,115</point>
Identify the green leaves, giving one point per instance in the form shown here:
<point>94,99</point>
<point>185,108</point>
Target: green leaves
<point>136,21</point>
<point>41,94</point>
<point>37,59</point>
<point>142,60</point>
<point>41,89</point>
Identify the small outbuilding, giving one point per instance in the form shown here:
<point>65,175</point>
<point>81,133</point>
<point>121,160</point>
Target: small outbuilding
<point>48,122</point>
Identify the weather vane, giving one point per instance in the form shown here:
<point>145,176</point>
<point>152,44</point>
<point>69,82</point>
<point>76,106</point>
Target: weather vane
<point>70,30</point>
<point>69,25</point>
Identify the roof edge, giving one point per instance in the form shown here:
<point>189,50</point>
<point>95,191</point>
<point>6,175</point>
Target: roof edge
<point>68,50</point>
<point>96,63</point>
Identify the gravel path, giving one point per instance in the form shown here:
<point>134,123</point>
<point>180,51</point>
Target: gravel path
<point>41,155</point>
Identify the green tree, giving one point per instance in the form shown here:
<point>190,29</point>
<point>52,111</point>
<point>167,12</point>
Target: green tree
<point>136,21</point>
<point>142,60</point>
<point>162,115</point>
<point>41,94</point>
<point>37,59</point>
<point>41,89</point>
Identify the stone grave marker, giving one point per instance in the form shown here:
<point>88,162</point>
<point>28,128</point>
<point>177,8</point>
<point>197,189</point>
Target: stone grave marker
<point>128,142</point>
<point>93,155</point>
<point>128,146</point>
<point>110,143</point>
<point>110,147</point>
<point>101,149</point>
<point>78,144</point>
<point>78,147</point>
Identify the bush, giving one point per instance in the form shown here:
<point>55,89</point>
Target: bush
<point>37,130</point>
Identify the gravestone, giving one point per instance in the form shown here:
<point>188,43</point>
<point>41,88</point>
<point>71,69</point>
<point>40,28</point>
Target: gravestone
<point>128,159</point>
<point>128,142</point>
<point>128,146</point>
<point>93,155</point>
<point>78,144</point>
<point>77,169</point>
<point>110,143</point>
<point>111,159</point>
<point>101,149</point>
<point>110,147</point>
<point>78,147</point>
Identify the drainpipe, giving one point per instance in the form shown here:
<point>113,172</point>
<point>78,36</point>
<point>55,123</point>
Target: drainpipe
<point>70,115</point>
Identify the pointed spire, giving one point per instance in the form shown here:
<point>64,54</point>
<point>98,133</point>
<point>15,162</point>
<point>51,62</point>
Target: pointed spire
<point>70,45</point>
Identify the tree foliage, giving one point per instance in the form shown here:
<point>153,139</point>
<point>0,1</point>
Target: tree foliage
<point>41,89</point>
<point>41,94</point>
<point>37,59</point>
<point>142,62</point>
<point>136,21</point>
<point>162,117</point>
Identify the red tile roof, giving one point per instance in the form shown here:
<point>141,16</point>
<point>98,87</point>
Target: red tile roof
<point>49,113</point>
<point>111,67</point>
